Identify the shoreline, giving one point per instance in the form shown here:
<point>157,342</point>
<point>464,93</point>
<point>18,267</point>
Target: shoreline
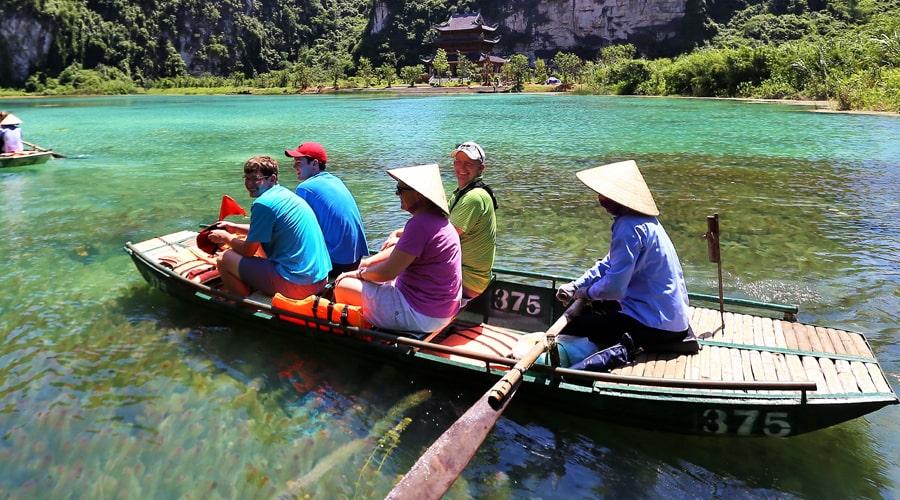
<point>817,106</point>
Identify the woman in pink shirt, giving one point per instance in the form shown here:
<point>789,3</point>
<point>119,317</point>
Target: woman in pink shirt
<point>415,285</point>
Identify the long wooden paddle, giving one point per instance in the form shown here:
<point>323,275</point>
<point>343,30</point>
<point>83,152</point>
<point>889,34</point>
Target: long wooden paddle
<point>436,470</point>
<point>43,150</point>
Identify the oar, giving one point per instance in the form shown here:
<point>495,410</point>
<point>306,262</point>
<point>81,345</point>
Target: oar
<point>436,470</point>
<point>43,150</point>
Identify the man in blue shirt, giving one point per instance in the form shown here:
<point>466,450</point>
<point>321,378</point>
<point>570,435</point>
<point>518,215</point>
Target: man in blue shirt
<point>334,205</point>
<point>294,259</point>
<point>641,272</point>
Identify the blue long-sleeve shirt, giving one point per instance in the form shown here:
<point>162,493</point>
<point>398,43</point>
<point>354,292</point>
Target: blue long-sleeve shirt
<point>642,272</point>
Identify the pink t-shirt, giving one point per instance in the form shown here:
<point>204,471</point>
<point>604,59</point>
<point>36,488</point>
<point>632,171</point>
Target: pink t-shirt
<point>432,284</point>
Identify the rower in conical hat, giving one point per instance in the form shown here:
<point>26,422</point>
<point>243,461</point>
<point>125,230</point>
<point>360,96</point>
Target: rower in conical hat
<point>622,183</point>
<point>10,120</point>
<point>425,180</point>
<point>639,283</point>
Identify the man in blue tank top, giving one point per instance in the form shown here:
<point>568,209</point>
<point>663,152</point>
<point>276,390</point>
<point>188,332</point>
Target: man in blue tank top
<point>334,206</point>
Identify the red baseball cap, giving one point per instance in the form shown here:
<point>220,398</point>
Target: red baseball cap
<point>204,243</point>
<point>310,149</point>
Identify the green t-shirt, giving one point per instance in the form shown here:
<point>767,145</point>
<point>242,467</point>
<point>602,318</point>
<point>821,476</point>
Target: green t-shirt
<point>474,216</point>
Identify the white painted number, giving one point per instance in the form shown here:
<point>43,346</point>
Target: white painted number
<point>517,302</point>
<point>534,305</point>
<point>775,424</point>
<point>714,422</point>
<point>748,418</point>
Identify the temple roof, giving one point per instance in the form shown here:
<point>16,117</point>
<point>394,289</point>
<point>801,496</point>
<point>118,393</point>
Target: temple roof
<point>466,21</point>
<point>478,58</point>
<point>494,59</point>
<point>459,40</point>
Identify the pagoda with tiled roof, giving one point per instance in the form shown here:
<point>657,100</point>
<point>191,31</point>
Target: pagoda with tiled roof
<point>469,35</point>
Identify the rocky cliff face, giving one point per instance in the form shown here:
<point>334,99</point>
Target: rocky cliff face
<point>24,43</point>
<point>543,28</point>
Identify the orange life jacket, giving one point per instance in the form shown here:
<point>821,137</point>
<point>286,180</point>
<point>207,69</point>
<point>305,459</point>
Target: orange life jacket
<point>321,308</point>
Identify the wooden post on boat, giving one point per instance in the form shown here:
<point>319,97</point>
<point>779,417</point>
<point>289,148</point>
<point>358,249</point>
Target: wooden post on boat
<point>715,255</point>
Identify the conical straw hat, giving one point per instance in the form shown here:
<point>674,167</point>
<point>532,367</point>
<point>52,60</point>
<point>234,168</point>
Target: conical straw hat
<point>11,119</point>
<point>622,183</point>
<point>425,180</point>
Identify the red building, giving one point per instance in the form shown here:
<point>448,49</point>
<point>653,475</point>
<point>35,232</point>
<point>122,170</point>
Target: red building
<point>469,35</point>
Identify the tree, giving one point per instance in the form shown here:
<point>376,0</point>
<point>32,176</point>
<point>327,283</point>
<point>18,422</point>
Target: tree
<point>365,71</point>
<point>440,64</point>
<point>302,75</point>
<point>487,72</point>
<point>540,70</point>
<point>517,66</point>
<point>334,67</point>
<point>410,74</point>
<point>617,53</point>
<point>464,67</point>
<point>387,73</point>
<point>568,66</point>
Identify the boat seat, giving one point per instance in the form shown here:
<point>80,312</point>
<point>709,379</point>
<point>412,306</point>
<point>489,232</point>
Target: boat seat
<point>688,345</point>
<point>423,336</point>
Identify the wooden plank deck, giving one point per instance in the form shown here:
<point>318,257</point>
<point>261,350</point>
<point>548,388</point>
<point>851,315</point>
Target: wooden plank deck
<point>752,348</point>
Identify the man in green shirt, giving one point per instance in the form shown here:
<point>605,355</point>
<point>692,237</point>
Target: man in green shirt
<point>472,212</point>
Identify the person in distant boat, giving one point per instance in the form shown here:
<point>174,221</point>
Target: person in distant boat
<point>3,115</point>
<point>294,259</point>
<point>334,205</point>
<point>473,214</point>
<point>641,274</point>
<point>415,285</point>
<point>10,134</point>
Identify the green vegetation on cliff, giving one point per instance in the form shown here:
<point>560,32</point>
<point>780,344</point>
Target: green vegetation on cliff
<point>847,51</point>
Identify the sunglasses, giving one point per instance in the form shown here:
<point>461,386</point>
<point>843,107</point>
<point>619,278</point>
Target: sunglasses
<point>401,189</point>
<point>470,147</point>
<point>255,180</point>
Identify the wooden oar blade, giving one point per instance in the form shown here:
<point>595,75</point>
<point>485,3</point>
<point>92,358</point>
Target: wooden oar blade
<point>449,455</point>
<point>440,465</point>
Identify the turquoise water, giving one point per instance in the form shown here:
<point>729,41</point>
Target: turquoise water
<point>111,389</point>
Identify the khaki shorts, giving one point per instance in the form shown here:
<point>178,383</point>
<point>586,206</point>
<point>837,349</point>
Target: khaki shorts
<point>384,306</point>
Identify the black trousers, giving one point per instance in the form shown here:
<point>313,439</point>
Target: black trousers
<point>337,269</point>
<point>606,327</point>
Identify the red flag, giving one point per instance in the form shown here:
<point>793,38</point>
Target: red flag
<point>230,207</point>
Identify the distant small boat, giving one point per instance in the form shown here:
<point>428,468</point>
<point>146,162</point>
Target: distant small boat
<point>22,158</point>
<point>757,376</point>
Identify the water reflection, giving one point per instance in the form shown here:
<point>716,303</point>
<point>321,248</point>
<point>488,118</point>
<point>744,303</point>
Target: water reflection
<point>110,388</point>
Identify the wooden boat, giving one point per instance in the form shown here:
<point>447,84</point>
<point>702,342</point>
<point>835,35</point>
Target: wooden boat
<point>22,158</point>
<point>763,374</point>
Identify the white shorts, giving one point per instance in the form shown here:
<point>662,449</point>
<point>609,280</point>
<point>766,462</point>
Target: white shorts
<point>384,306</point>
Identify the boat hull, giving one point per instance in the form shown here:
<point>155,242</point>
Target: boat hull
<point>786,389</point>
<point>24,158</point>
